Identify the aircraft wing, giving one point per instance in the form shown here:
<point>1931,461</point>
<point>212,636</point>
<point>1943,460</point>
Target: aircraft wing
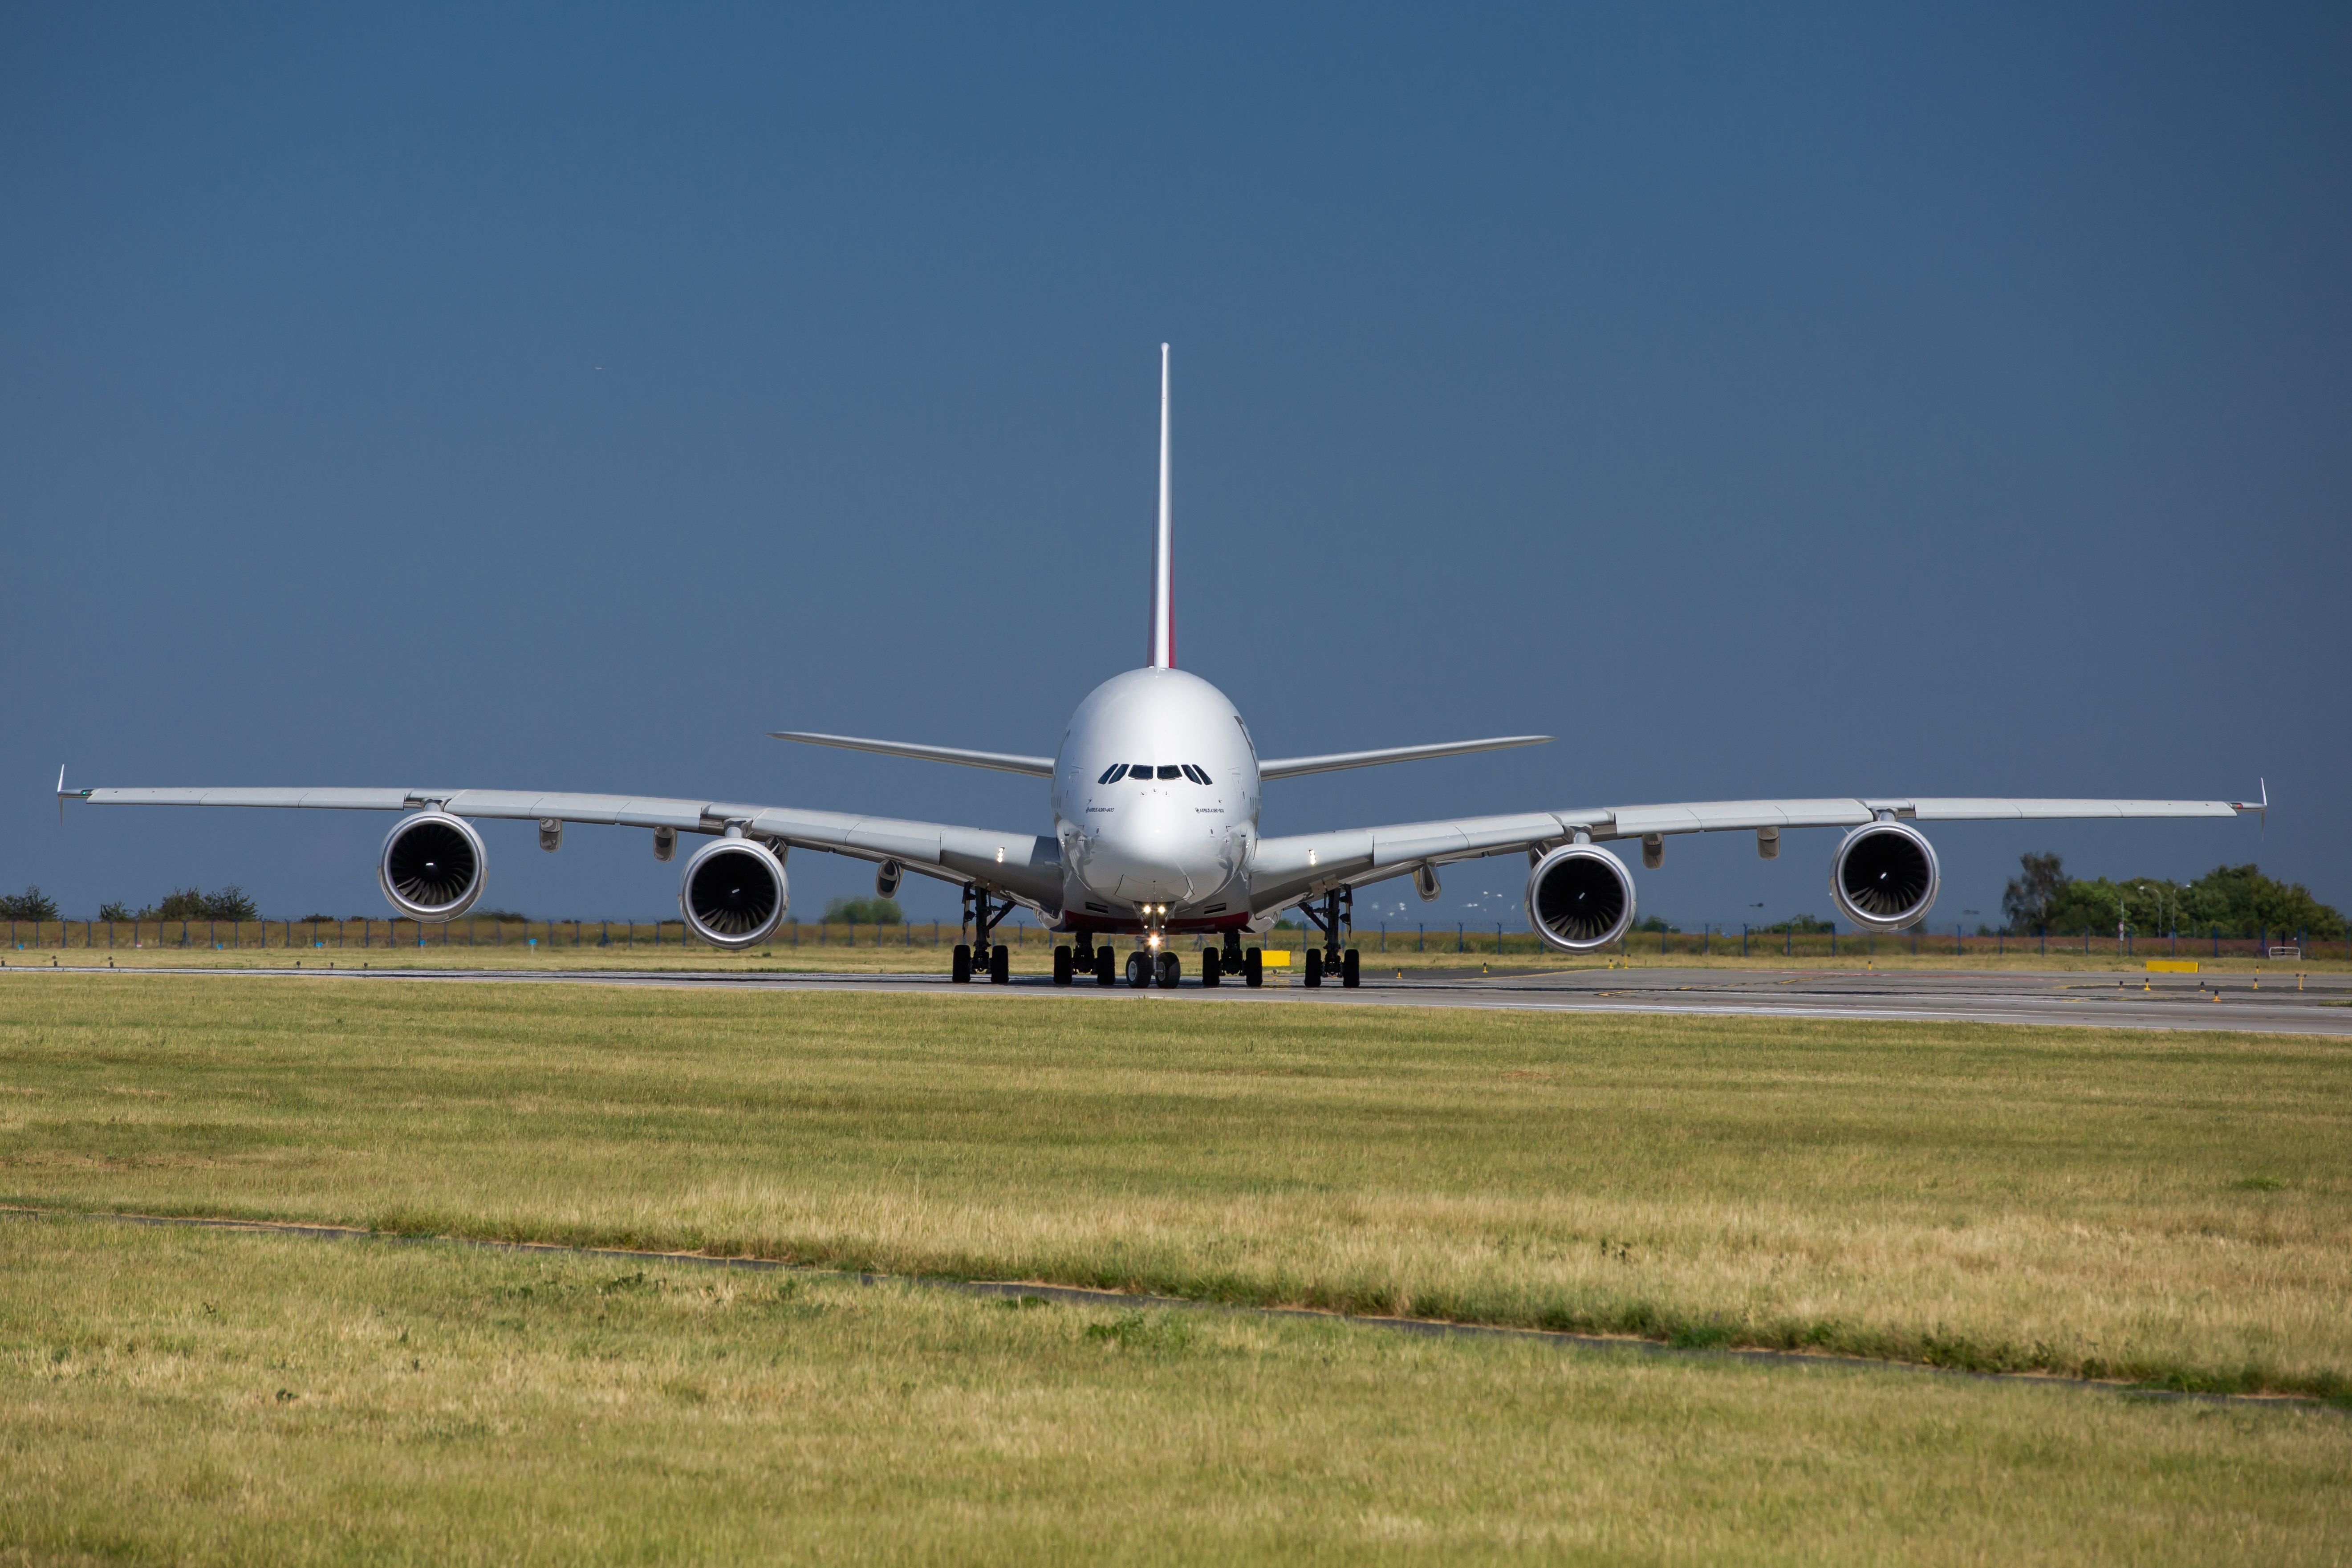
<point>1285,869</point>
<point>1024,866</point>
<point>1002,761</point>
<point>1291,767</point>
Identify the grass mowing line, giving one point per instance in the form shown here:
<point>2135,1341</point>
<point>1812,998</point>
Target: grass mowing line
<point>2133,1209</point>
<point>180,1395</point>
<point>1082,1296</point>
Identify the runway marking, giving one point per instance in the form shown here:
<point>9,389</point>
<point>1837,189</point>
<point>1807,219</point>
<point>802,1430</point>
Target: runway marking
<point>1084,1296</point>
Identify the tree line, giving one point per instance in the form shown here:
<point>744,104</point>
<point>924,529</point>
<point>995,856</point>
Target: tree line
<point>230,903</point>
<point>2232,901</point>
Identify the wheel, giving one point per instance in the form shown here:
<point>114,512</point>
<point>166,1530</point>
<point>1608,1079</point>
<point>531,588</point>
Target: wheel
<point>1139,971</point>
<point>1254,966</point>
<point>1351,969</point>
<point>1314,966</point>
<point>961,971</point>
<point>1106,966</point>
<point>1209,967</point>
<point>1170,968</point>
<point>1063,971</point>
<point>1000,964</point>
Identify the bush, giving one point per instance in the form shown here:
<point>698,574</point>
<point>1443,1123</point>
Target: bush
<point>117,911</point>
<point>230,903</point>
<point>32,904</point>
<point>2235,900</point>
<point>1801,925</point>
<point>864,912</point>
<point>1657,924</point>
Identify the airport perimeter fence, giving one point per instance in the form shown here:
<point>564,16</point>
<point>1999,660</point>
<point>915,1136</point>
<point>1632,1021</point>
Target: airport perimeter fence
<point>1456,936</point>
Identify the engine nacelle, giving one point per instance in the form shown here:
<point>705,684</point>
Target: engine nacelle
<point>733,893</point>
<point>1579,898</point>
<point>1884,876</point>
<point>432,866</point>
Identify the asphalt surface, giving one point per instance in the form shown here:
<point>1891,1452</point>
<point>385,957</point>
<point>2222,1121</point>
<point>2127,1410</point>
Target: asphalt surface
<point>2275,1002</point>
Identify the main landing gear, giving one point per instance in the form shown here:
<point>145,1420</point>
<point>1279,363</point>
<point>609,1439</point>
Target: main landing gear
<point>1337,915</point>
<point>981,912</point>
<point>1085,958</point>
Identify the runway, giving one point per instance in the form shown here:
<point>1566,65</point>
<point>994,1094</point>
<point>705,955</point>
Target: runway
<point>2270,1003</point>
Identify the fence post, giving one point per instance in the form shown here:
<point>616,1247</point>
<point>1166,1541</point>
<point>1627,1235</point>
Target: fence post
<point>1743,938</point>
<point>1457,937</point>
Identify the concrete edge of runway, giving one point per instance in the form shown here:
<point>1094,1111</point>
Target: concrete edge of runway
<point>1923,1004</point>
<point>1082,1296</point>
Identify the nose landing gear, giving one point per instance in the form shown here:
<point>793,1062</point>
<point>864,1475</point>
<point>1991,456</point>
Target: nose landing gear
<point>1162,969</point>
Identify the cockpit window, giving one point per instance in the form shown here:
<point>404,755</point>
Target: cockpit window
<point>1111,774</point>
<point>1202,774</point>
<point>1171,770</point>
<point>1142,769</point>
<point>1195,775</point>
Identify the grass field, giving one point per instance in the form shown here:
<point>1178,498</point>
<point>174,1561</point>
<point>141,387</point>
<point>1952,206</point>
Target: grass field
<point>2165,1207</point>
<point>196,1397</point>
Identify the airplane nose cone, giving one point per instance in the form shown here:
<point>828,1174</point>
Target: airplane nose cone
<point>1150,851</point>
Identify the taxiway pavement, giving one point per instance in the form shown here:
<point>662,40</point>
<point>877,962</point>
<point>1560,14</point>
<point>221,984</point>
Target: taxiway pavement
<point>2278,1002</point>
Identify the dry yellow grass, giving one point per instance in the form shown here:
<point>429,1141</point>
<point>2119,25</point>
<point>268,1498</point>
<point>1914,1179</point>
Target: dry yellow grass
<point>2173,1208</point>
<point>203,1398</point>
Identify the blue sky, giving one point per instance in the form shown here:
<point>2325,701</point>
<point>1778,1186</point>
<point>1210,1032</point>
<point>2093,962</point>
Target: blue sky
<point>1821,401</point>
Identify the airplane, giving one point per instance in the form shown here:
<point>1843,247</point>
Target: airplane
<point>1156,795</point>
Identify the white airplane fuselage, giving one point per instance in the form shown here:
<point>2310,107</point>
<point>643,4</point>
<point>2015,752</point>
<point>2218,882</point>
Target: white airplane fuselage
<point>1155,803</point>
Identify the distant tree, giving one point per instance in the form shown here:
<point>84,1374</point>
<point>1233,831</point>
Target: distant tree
<point>503,916</point>
<point>117,911</point>
<point>32,904</point>
<point>864,912</point>
<point>1801,925</point>
<point>2235,900</point>
<point>2083,904</point>
<point>2031,896</point>
<point>2240,899</point>
<point>230,903</point>
<point>1658,923</point>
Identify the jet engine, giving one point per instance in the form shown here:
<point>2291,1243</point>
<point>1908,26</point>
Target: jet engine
<point>432,866</point>
<point>1884,876</point>
<point>733,893</point>
<point>1579,898</point>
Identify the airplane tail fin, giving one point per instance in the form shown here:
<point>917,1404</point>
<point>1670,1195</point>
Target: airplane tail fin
<point>1163,560</point>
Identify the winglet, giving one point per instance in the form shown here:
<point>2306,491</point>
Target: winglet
<point>1163,559</point>
<point>2260,808</point>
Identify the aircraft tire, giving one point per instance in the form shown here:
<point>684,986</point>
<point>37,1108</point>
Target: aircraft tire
<point>1106,966</point>
<point>1139,971</point>
<point>1000,964</point>
<point>1169,969</point>
<point>1209,967</point>
<point>1065,969</point>
<point>1351,969</point>
<point>1254,967</point>
<point>1313,967</point>
<point>961,971</point>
